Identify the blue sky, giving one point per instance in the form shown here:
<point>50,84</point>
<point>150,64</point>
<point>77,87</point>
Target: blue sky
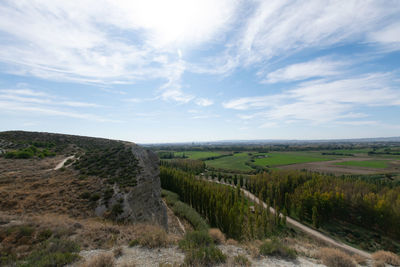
<point>177,71</point>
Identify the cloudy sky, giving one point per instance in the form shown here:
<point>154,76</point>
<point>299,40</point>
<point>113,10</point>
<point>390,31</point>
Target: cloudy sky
<point>183,70</point>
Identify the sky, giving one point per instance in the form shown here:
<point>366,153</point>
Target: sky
<point>191,71</point>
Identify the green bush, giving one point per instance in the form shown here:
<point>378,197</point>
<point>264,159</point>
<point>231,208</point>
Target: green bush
<point>94,197</point>
<point>85,195</point>
<point>241,260</point>
<point>53,252</point>
<point>183,210</point>
<point>117,209</point>
<point>204,256</point>
<point>275,248</point>
<point>195,239</point>
<point>133,243</point>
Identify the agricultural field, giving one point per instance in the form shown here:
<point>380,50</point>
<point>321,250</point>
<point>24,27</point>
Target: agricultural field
<point>236,162</point>
<point>379,164</point>
<point>197,154</point>
<point>276,159</point>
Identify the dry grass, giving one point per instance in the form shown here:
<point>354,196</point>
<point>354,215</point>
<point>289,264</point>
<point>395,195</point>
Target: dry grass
<point>101,260</point>
<point>333,257</point>
<point>386,257</point>
<point>152,236</point>
<point>360,259</point>
<point>232,242</point>
<point>253,248</point>
<point>118,252</point>
<point>217,235</point>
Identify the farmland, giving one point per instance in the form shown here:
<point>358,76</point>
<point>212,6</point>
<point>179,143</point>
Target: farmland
<point>197,154</point>
<point>236,162</point>
<point>367,164</point>
<point>277,159</point>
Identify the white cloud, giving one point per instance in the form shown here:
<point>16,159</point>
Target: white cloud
<point>322,100</point>
<point>204,102</point>
<point>320,67</point>
<point>36,102</point>
<point>105,41</point>
<point>283,28</point>
<point>390,34</point>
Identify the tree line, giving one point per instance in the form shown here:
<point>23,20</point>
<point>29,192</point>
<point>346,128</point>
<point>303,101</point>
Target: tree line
<point>319,199</point>
<point>222,206</point>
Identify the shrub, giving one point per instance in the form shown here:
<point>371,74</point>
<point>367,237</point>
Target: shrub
<point>118,252</point>
<point>85,195</point>
<point>101,260</point>
<point>94,197</point>
<point>116,210</point>
<point>217,235</point>
<point>153,237</point>
<point>183,210</point>
<point>241,260</point>
<point>53,252</point>
<point>204,256</point>
<point>275,248</point>
<point>190,214</point>
<point>45,234</point>
<point>134,243</point>
<point>195,239</point>
<point>333,257</point>
<point>386,257</point>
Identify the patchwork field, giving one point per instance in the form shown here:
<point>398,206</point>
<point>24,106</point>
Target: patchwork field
<point>367,164</point>
<point>235,162</point>
<point>197,154</point>
<point>277,159</point>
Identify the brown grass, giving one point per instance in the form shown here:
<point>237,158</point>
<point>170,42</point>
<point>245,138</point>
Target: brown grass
<point>360,259</point>
<point>152,236</point>
<point>217,236</point>
<point>101,260</point>
<point>118,252</point>
<point>333,257</point>
<point>386,257</point>
<point>232,242</point>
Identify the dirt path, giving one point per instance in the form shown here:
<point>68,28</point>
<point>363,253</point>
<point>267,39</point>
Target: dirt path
<point>61,164</point>
<point>303,227</point>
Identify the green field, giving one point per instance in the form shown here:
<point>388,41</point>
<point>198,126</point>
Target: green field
<point>286,158</point>
<point>197,154</point>
<point>350,151</point>
<point>380,164</point>
<point>235,162</point>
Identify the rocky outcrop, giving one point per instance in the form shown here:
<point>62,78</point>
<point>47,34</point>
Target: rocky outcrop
<point>143,202</point>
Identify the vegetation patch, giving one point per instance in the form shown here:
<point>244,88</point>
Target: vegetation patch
<point>379,164</point>
<point>333,257</point>
<point>183,210</point>
<point>236,162</point>
<point>117,164</point>
<point>200,250</point>
<point>386,257</point>
<point>275,247</point>
<point>277,159</point>
<point>197,154</point>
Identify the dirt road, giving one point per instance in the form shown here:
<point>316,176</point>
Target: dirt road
<point>61,164</point>
<point>303,227</point>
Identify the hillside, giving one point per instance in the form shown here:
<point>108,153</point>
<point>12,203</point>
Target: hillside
<point>96,202</point>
